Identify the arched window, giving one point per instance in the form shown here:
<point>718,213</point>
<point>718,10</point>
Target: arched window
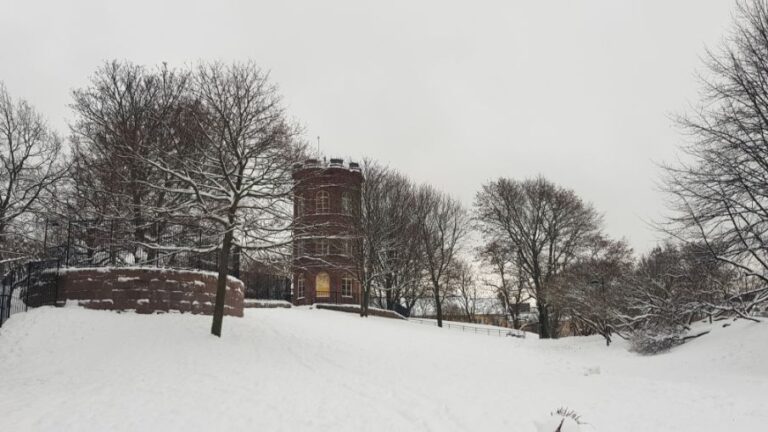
<point>323,285</point>
<point>300,287</point>
<point>346,203</point>
<point>322,202</point>
<point>300,206</point>
<point>346,287</point>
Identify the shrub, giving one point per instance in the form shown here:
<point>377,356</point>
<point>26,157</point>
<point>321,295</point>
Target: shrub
<point>654,341</point>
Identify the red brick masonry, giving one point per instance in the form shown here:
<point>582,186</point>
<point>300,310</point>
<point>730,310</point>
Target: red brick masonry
<point>148,290</point>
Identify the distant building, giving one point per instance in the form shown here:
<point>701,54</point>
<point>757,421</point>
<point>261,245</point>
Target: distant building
<point>326,208</point>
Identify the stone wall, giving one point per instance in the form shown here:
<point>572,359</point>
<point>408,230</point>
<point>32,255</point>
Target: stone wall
<point>148,290</point>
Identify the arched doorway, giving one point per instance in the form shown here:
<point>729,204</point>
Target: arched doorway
<point>323,285</point>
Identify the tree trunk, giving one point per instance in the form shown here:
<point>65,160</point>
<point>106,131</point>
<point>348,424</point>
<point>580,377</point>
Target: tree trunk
<point>545,331</point>
<point>221,287</point>
<point>388,294</point>
<point>365,299</point>
<point>3,255</point>
<point>438,307</point>
<point>515,313</point>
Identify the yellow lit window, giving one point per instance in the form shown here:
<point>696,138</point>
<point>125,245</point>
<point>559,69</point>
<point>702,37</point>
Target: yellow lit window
<point>323,285</point>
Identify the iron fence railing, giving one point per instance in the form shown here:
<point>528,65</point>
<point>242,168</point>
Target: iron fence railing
<point>124,242</point>
<point>29,285</point>
<point>30,280</point>
<point>490,331</point>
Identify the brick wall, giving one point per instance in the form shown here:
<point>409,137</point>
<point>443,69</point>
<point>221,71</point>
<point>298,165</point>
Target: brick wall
<point>335,226</point>
<point>148,290</point>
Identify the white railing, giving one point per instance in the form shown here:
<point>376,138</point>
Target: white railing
<point>490,331</point>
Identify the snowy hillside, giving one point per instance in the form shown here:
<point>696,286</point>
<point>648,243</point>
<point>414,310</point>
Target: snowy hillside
<point>72,369</point>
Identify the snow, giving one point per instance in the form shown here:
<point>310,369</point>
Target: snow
<point>126,279</point>
<point>108,269</point>
<point>264,303</point>
<point>552,422</point>
<point>355,307</point>
<point>464,326</point>
<point>72,369</point>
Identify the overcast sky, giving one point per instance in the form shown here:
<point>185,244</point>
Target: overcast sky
<point>451,94</point>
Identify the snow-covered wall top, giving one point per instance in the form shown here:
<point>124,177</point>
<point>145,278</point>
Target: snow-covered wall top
<point>148,290</point>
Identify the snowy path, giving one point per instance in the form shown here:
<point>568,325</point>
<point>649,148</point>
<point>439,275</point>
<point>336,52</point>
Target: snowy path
<point>298,369</point>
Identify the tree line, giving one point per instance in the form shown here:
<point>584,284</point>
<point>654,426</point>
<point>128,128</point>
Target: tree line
<point>540,241</point>
<point>212,146</point>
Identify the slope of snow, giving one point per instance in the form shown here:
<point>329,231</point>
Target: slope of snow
<point>72,369</point>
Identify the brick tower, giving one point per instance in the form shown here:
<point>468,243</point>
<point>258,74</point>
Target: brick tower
<point>326,205</point>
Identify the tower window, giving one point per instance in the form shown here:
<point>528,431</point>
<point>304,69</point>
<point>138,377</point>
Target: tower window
<point>300,206</point>
<point>300,287</point>
<point>322,202</point>
<point>346,203</point>
<point>300,248</point>
<point>346,287</point>
<point>323,247</point>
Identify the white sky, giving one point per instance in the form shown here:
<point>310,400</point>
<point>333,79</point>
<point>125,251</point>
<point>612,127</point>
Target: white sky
<point>450,93</point>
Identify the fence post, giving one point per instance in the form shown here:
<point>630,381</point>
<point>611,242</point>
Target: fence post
<point>69,242</point>
<point>2,303</point>
<point>198,254</point>
<point>29,280</point>
<point>157,241</point>
<point>45,239</point>
<point>111,242</point>
<point>58,262</point>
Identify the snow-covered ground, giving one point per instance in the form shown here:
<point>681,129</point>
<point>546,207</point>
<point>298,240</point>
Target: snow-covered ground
<point>464,326</point>
<point>72,369</point>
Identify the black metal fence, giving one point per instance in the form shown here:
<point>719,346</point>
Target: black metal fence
<point>103,243</point>
<point>266,286</point>
<point>29,285</point>
<point>121,242</point>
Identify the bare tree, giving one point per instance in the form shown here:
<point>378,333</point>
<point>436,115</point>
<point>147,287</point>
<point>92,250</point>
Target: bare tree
<point>30,165</point>
<point>462,277</point>
<point>674,285</point>
<point>372,231</point>
<point>240,180</point>
<point>387,260</point>
<point>400,261</point>
<point>592,291</point>
<point>123,117</point>
<point>507,277</point>
<point>720,196</point>
<point>547,225</point>
<point>442,228</point>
